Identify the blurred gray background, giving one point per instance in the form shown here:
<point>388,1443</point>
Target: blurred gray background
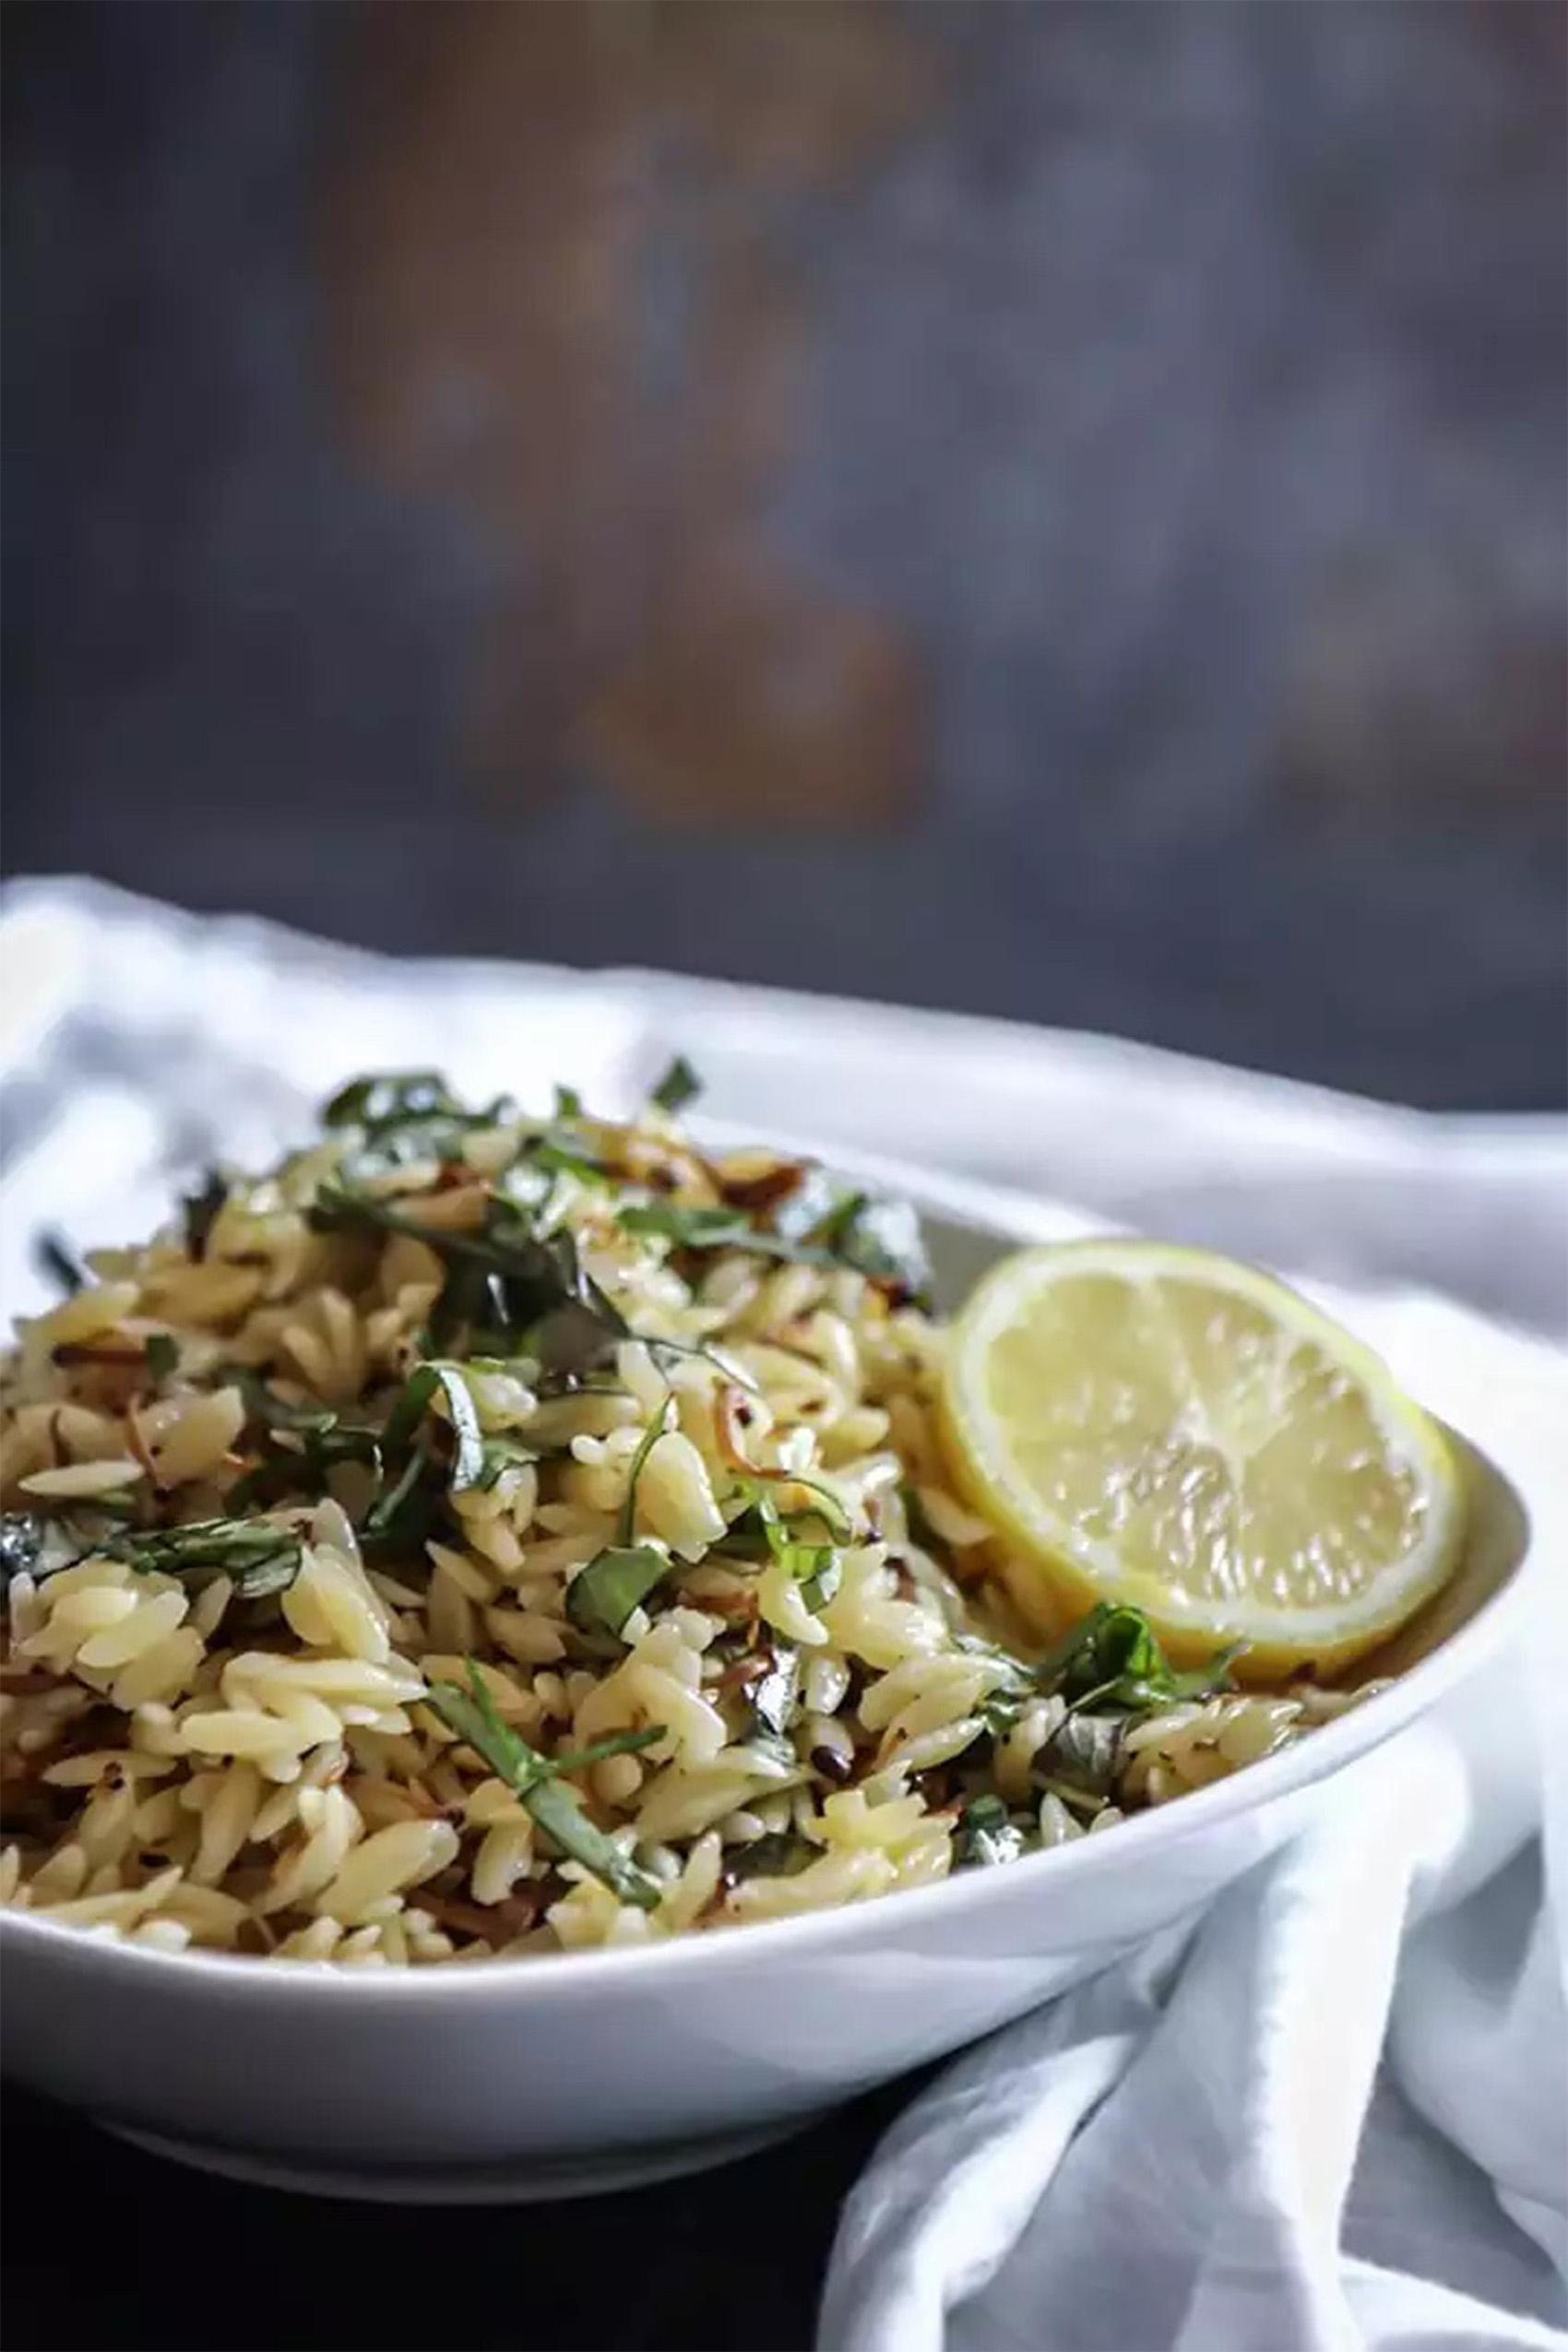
<point>1048,509</point>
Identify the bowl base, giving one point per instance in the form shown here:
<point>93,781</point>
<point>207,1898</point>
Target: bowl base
<point>522,2180</point>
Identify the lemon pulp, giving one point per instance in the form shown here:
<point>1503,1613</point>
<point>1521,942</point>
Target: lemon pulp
<point>1166,1427</point>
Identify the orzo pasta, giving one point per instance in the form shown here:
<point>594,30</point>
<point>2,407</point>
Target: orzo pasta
<point>486,1535</point>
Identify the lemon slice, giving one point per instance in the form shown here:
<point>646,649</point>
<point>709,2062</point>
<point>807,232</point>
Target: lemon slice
<point>1156,1425</point>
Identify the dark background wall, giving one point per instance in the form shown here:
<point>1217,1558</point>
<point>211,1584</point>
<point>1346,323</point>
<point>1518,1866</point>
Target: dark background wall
<point>1054,509</point>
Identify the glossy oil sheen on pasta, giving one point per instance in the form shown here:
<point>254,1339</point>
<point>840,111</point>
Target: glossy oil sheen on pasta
<point>487,1535</point>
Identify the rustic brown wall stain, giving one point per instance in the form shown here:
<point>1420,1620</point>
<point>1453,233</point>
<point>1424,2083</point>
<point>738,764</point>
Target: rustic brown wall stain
<point>503,180</point>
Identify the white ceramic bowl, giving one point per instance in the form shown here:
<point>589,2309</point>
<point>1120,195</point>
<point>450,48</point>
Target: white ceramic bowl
<point>549,2077</point>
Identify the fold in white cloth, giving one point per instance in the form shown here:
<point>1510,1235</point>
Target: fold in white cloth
<point>1331,2115</point>
<point>1333,2112</point>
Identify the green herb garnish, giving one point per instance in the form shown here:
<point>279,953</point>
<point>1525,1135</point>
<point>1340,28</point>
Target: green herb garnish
<point>700,1228</point>
<point>879,1238</point>
<point>257,1557</point>
<point>1085,1751</point>
<point>200,1211</point>
<point>763,1530</point>
<point>781,1854</point>
<point>773,1697</point>
<point>536,1778</point>
<point>162,1350</point>
<point>500,1455</point>
<point>985,1836</point>
<point>1113,1654</point>
<point>656,1428</point>
<point>23,1534</point>
<point>679,1086</point>
<point>559,1158</point>
<point>527,1294</point>
<point>405,1513</point>
<point>408,1115</point>
<point>602,1594</point>
<point>59,1263</point>
<point>438,1372</point>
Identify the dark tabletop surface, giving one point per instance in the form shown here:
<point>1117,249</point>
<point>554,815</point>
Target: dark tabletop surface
<point>727,2260</point>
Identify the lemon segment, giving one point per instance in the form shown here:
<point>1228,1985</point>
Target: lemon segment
<point>1158,1425</point>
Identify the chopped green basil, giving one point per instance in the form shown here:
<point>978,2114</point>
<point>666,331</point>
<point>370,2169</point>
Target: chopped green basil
<point>373,1100</point>
<point>679,1086</point>
<point>882,1240</point>
<point>257,1557</point>
<point>602,1594</point>
<point>200,1211</point>
<point>781,1854</point>
<point>1086,1750</point>
<point>23,1536</point>
<point>559,1158</point>
<point>60,1263</point>
<point>500,1455</point>
<point>162,1350</point>
<point>408,1116</point>
<point>773,1697</point>
<point>646,1445</point>
<point>879,1238</point>
<point>403,1515</point>
<point>763,1530</point>
<point>529,1292</point>
<point>618,1743</point>
<point>1113,1654</point>
<point>472,1715</point>
<point>985,1836</point>
<point>468,1459</point>
<point>699,1228</point>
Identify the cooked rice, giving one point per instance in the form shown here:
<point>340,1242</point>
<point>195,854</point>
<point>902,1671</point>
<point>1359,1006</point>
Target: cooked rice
<point>819,1670</point>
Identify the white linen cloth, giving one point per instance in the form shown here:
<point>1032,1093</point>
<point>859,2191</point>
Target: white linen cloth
<point>1333,2112</point>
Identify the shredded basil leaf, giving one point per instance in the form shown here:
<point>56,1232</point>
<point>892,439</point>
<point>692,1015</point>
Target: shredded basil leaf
<point>22,1538</point>
<point>568,1103</point>
<point>917,1521</point>
<point>618,1743</point>
<point>879,1238</point>
<point>699,1228</point>
<point>472,1715</point>
<point>396,1095</point>
<point>530,1292</point>
<point>773,1697</point>
<point>199,1213</point>
<point>562,1159</point>
<point>985,1836</point>
<point>468,1460</point>
<point>1086,1750</point>
<point>162,1350</point>
<point>257,1557</point>
<point>646,1445</point>
<point>406,1116</point>
<point>762,1530</point>
<point>501,1455</point>
<point>882,1240</point>
<point>60,1263</point>
<point>781,1854</point>
<point>602,1594</point>
<point>1113,1654</point>
<point>679,1086</point>
<point>405,1513</point>
<point>756,1529</point>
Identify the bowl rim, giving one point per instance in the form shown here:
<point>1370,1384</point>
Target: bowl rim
<point>984,1212</point>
